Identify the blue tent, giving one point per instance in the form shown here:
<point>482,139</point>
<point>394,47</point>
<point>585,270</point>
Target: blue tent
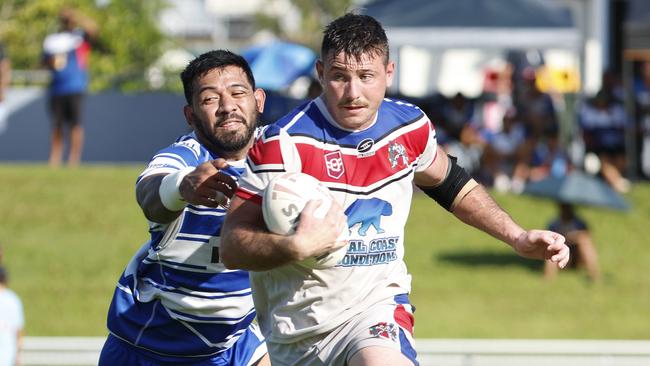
<point>578,188</point>
<point>278,64</point>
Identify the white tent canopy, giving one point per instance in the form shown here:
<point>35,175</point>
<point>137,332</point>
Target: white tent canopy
<point>502,38</point>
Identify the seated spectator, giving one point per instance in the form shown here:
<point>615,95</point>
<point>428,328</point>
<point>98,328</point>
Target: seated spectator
<point>581,244</point>
<point>548,157</point>
<point>536,108</point>
<point>602,121</point>
<point>460,137</point>
<point>504,155</point>
<point>642,117</point>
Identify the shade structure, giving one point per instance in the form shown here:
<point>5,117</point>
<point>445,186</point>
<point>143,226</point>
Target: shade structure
<point>278,64</point>
<point>506,24</point>
<point>577,188</point>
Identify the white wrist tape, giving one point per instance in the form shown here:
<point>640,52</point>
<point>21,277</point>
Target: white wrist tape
<point>169,192</point>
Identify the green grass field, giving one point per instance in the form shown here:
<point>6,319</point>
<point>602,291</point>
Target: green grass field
<point>67,235</point>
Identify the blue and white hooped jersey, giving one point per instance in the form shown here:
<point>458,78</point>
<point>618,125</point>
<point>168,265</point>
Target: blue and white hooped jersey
<point>175,297</point>
<point>370,174</point>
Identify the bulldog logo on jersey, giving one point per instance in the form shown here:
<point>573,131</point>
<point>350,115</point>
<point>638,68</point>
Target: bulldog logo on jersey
<point>384,330</point>
<point>397,155</point>
<point>334,164</point>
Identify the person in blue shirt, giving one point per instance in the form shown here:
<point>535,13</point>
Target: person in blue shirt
<point>176,303</point>
<point>66,54</point>
<point>580,242</point>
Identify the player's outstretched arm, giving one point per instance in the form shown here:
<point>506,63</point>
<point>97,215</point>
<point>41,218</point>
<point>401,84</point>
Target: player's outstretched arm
<point>163,197</point>
<point>247,244</point>
<point>478,209</point>
<point>448,184</point>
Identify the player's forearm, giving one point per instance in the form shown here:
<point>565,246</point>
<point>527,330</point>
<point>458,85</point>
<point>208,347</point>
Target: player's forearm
<point>250,248</point>
<point>148,196</point>
<point>478,209</point>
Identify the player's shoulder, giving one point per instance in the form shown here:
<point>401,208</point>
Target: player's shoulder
<point>291,123</point>
<point>189,142</point>
<point>401,108</point>
<point>186,149</point>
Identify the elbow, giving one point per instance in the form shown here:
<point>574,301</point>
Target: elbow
<point>159,216</point>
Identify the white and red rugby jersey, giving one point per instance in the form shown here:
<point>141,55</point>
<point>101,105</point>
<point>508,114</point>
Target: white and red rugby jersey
<point>370,174</point>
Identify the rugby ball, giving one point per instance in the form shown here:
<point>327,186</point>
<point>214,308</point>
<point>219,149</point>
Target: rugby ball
<point>284,199</point>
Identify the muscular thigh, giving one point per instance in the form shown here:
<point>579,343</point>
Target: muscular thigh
<point>379,356</point>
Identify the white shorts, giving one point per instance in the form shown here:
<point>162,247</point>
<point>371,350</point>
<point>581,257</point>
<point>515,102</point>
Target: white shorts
<point>385,324</point>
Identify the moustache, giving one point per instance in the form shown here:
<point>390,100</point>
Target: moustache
<point>231,117</point>
<point>353,103</point>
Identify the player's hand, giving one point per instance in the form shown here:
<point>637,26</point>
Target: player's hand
<point>543,244</point>
<point>319,233</point>
<point>208,186</point>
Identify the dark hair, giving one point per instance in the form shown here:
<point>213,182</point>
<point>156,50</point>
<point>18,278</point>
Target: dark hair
<point>3,275</point>
<point>355,35</point>
<point>212,60</point>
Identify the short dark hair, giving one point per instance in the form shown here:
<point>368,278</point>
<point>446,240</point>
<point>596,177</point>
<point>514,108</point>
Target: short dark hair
<point>355,35</point>
<point>3,275</point>
<point>209,61</point>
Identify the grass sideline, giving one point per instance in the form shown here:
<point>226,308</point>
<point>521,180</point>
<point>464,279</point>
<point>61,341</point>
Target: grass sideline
<point>68,233</point>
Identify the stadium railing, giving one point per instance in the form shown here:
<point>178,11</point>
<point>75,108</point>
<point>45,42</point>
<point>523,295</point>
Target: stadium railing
<point>77,351</point>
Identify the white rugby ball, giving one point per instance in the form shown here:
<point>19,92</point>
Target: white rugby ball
<point>283,201</point>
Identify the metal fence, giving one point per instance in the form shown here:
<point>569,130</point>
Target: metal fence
<point>53,351</point>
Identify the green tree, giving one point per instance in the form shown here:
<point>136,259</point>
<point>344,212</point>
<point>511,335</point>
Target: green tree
<point>128,40</point>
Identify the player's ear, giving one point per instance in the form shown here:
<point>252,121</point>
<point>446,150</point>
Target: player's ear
<point>260,98</point>
<point>189,114</point>
<point>390,71</point>
<point>319,70</point>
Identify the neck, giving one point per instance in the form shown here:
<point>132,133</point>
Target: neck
<point>228,155</point>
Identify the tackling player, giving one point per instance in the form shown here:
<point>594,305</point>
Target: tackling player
<point>176,303</point>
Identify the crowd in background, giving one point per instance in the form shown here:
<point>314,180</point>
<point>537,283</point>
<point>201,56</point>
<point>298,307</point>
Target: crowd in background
<point>512,133</point>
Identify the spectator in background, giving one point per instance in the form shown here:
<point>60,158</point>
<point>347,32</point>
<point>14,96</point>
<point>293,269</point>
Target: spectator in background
<point>602,121</point>
<point>579,240</point>
<point>611,84</point>
<point>5,78</point>
<point>535,107</point>
<point>642,100</point>
<point>66,55</point>
<point>11,323</point>
<point>460,137</point>
<point>504,157</point>
<point>548,157</point>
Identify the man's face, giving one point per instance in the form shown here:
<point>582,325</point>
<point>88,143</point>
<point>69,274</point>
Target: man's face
<point>224,109</point>
<point>354,89</point>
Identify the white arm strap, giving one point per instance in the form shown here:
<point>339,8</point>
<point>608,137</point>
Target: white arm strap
<point>169,192</point>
